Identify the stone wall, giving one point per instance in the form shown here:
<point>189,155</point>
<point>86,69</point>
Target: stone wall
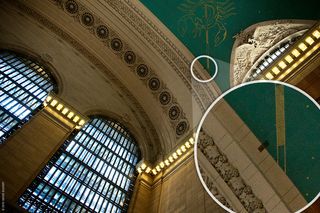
<point>24,154</point>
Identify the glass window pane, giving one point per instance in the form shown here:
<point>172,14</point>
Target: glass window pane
<point>23,89</point>
<point>90,172</point>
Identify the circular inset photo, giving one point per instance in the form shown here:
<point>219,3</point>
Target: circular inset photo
<point>258,149</point>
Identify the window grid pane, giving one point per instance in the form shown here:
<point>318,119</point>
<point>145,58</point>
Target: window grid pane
<point>87,173</point>
<point>270,58</point>
<point>23,88</point>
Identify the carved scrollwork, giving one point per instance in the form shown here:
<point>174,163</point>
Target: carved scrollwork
<point>214,190</point>
<point>252,43</point>
<point>229,174</point>
<point>121,48</point>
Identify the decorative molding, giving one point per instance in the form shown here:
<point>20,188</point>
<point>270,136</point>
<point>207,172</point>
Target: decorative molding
<point>132,60</point>
<point>212,186</point>
<point>138,110</point>
<point>253,42</point>
<point>134,16</point>
<point>280,46</point>
<point>229,174</point>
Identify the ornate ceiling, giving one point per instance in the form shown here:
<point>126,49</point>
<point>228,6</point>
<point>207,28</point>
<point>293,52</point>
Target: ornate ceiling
<point>210,27</point>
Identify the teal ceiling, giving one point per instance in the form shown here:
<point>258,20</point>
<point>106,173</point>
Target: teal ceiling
<point>255,104</point>
<point>208,26</point>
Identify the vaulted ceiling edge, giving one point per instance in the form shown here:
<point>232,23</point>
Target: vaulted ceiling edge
<point>119,47</point>
<point>202,93</point>
<point>153,135</point>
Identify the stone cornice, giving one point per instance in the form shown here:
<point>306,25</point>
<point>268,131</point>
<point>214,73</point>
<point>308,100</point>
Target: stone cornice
<point>144,121</point>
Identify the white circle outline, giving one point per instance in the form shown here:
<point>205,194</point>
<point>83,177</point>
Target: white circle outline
<point>215,65</point>
<point>204,117</point>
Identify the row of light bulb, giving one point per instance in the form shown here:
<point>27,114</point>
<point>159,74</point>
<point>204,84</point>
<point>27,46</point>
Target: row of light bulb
<point>66,112</point>
<point>167,162</point>
<point>282,68</point>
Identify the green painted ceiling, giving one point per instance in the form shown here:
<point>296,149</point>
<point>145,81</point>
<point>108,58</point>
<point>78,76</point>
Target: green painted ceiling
<point>189,20</point>
<point>255,104</point>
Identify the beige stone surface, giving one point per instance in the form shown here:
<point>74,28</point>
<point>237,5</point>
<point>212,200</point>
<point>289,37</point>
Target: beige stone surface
<point>180,191</point>
<point>24,154</point>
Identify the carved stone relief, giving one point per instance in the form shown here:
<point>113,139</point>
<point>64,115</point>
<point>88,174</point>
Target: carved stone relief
<point>213,189</point>
<point>134,16</point>
<point>256,40</point>
<point>136,64</point>
<point>229,174</point>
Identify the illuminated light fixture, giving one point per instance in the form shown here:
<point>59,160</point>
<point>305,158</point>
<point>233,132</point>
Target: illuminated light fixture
<point>48,98</point>
<point>64,111</point>
<point>81,122</point>
<point>309,40</point>
<point>316,34</point>
<point>154,171</point>
<point>282,64</point>
<point>56,107</point>
<point>295,52</point>
<point>175,156</point>
<point>167,162</point>
<point>183,148</point>
<point>275,70</point>
<point>179,152</point>
<point>302,46</point>
<point>289,59</point>
<point>148,170</point>
<point>191,140</point>
<point>53,102</point>
<point>143,166</point>
<point>161,165</point>
<point>269,76</point>
<point>187,144</point>
<point>59,107</point>
<point>70,115</point>
<point>304,56</point>
<point>76,118</point>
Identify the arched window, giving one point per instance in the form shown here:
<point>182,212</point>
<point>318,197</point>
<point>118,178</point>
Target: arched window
<point>93,171</point>
<point>270,57</point>
<point>24,84</point>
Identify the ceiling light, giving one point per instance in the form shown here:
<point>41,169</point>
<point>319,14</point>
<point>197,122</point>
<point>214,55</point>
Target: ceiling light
<point>143,166</point>
<point>295,52</point>
<point>309,40</point>
<point>179,152</point>
<point>282,64</point>
<point>289,59</point>
<point>59,107</point>
<point>70,115</point>
<point>154,171</point>
<point>269,76</point>
<point>53,102</point>
<point>275,70</point>
<point>302,46</point>
<point>316,34</point>
<point>148,170</point>
<point>161,165</point>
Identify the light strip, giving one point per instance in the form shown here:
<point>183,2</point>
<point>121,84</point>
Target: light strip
<point>66,112</point>
<point>300,52</point>
<point>143,167</point>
